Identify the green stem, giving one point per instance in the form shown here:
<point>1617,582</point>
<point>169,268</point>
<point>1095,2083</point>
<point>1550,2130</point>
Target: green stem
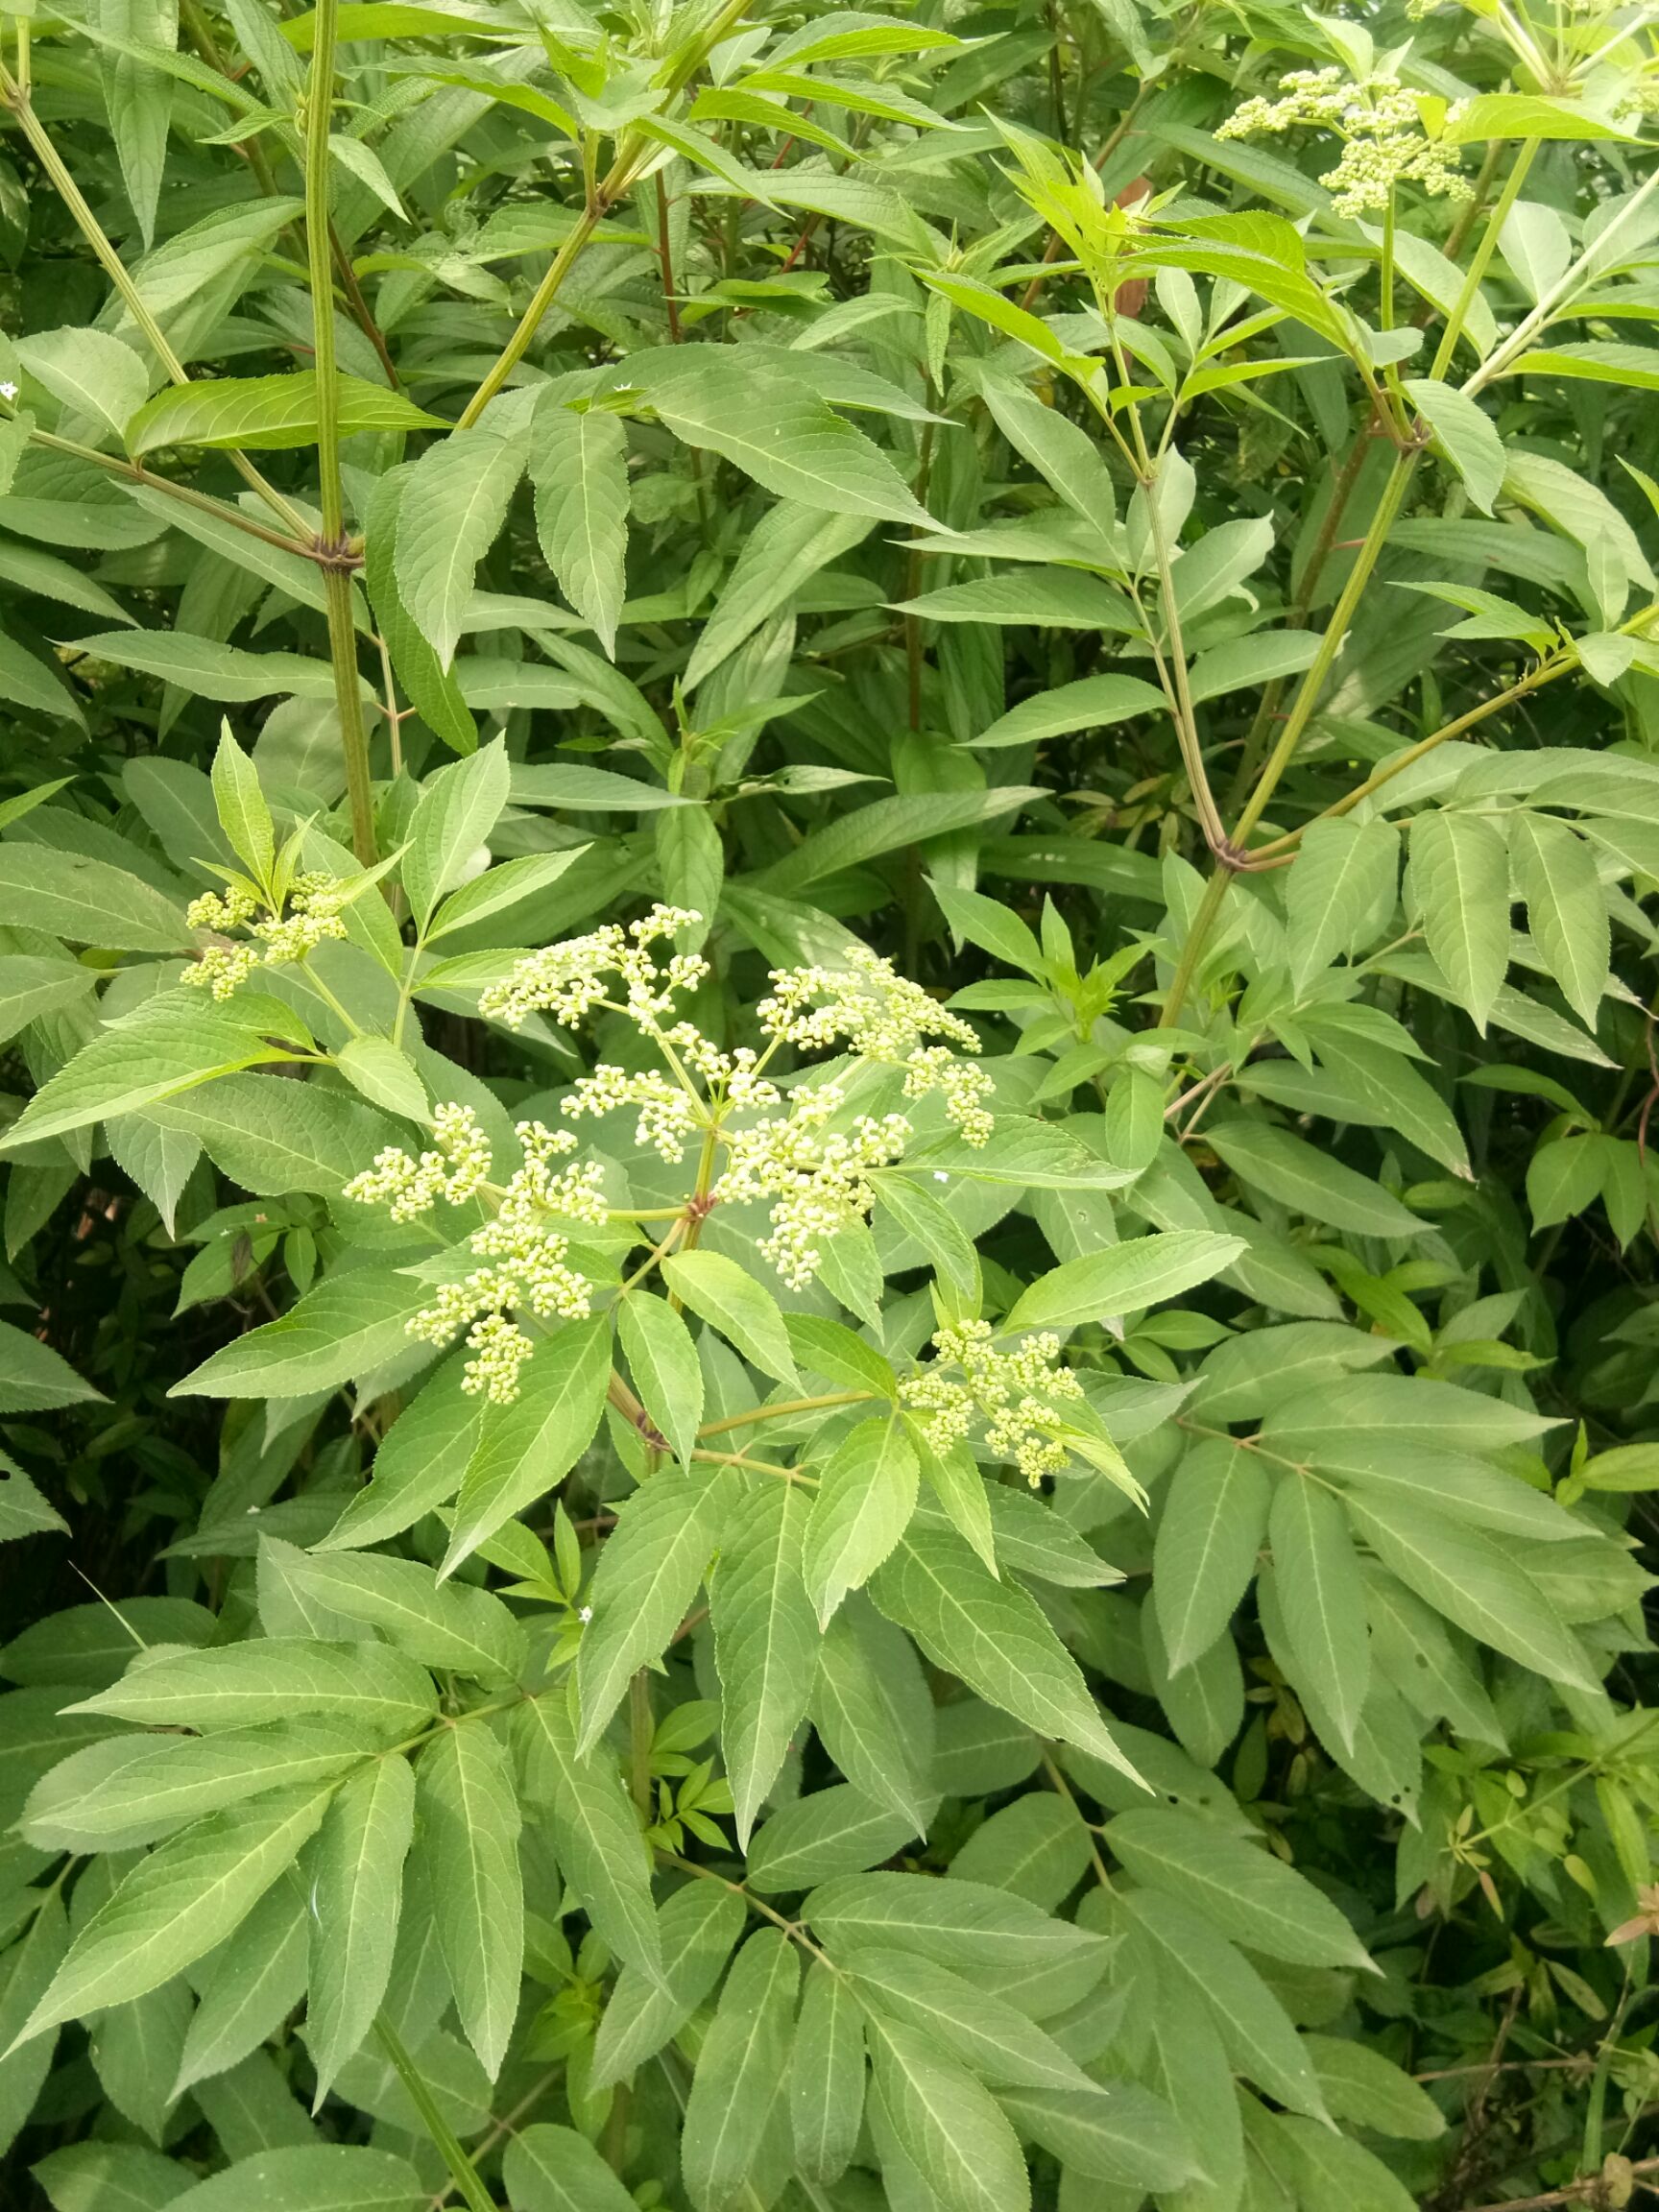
<point>641,1727</point>
<point>1483,252</point>
<point>16,97</point>
<point>337,580</point>
<point>444,2140</point>
<point>787,1407</point>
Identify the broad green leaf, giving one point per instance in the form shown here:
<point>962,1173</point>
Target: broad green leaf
<point>579,468</point>
<point>170,1046</point>
<point>1459,884</point>
<point>248,1988</point>
<point>1122,1279</point>
<point>1339,890</point>
<point>452,1625</point>
<point>993,2039</point>
<point>226,673</point>
<point>452,504</point>
<point>742,2066</point>
<point>417,1465</point>
<point>428,680</point>
<point>1092,703</point>
<point>774,429</point>
<point>110,2178</point>
<point>1257,2032</point>
<point>1066,457</point>
<point>26,1971</point>
<point>1119,2134</point>
<point>177,1904</point>
<point>1476,1583</point>
<point>827,2076</point>
<point>1333,2168</point>
<point>949,2128</point>
<point>33,1378</point>
<point>1214,1522</point>
<point>467,1814</point>
<point>974,1930</point>
<point>1052,598</point>
<point>273,1136</point>
<point>1246,1893</point>
<point>649,1572</point>
<point>866,1495</point>
<point>552,2169</point>
<point>1321,1597</point>
<point>992,1636</point>
<point>526,1448</point>
<point>23,1511</point>
<point>766,1640</point>
<point>1526,115</point>
<point>722,1293</point>
<point>384,1075</point>
<point>91,1804</point>
<point>243,1685</point>
<point>30,986</point>
<point>1416,1411</point>
<point>500,888</point>
<point>697,1928</point>
<point>1295,1174</point>
<point>786,549</point>
<point>94,375</point>
<point>663,1362</point>
<point>595,1829</point>
<point>87,901</point>
<point>349,1325</point>
<point>830,1832</point>
<point>459,807</point>
<point>356,1895</point>
<point>264,413</point>
<point>865,1702</point>
<point>1444,1480</point>
<point>1566,909</point>
<point>886,825</point>
<point>1465,433</point>
<point>244,815</point>
<point>1363,2087</point>
<point>1037,1847</point>
<point>311,2177</point>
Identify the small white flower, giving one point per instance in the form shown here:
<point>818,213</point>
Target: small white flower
<point>941,1176</point>
<point>586,1613</point>
<point>8,391</point>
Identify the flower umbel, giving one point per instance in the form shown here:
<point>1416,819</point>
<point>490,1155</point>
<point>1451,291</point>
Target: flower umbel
<point>1381,124</point>
<point>529,1255</point>
<point>310,915</point>
<point>1011,1392</point>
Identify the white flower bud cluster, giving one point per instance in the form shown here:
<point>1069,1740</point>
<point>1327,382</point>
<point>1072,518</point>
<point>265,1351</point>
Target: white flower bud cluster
<point>568,980</point>
<point>530,1268</point>
<point>667,1115</point>
<point>454,1171</point>
<point>1382,125</point>
<point>1012,1392</point>
<point>882,1016</point>
<point>820,1178</point>
<point>312,914</point>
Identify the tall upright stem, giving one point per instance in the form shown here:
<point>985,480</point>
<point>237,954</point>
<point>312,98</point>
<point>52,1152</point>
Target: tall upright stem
<point>337,580</point>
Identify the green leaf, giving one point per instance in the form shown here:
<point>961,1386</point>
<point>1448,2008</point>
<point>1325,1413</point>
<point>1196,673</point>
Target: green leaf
<point>1370,2091</point>
<point>419,1464</point>
<point>663,1362</point>
<point>273,1136</point>
<point>1342,883</point>
<point>348,1326</point>
<point>110,2178</point>
<point>579,468</point>
<point>33,1378</point>
<point>552,2169</point>
<point>827,2076</point>
<point>243,814</point>
<point>1465,433</point>
<point>698,1927</point>
<point>720,1292</point>
<point>1526,115</point>
<point>649,1572</point>
<point>1246,1893</point>
<point>1260,2039</point>
<point>1333,2168</point>
<point>766,1640</point>
<point>1066,457</point>
<point>1475,1584</point>
<point>1046,598</point>
<point>170,1045</point>
<point>1122,1279</point>
<point>1566,910</point>
<point>740,2069</point>
<point>468,1816</point>
<point>498,888</point>
<point>177,1904</point>
<point>241,1685</point>
<point>383,1074</point>
<point>1459,885</point>
<point>529,1447</point>
<point>266,413</point>
<point>88,901</point>
<point>431,684</point>
<point>23,1511</point>
<point>595,1830</point>
<point>446,1625</point>
<point>886,825</point>
<point>31,986</point>
<point>210,669</point>
<point>248,1988</point>
<point>451,507</point>
<point>93,376</point>
<point>459,806</point>
<point>356,1895</point>
<point>830,1832</point>
<point>1321,1597</point>
<point>993,2039</point>
<point>311,2177</point>
<point>993,1637</point>
<point>866,1495</point>
<point>1292,1172</point>
<point>775,430</point>
<point>967,1926</point>
<point>1213,1522</point>
<point>1122,2134</point>
<point>865,1703</point>
<point>949,2128</point>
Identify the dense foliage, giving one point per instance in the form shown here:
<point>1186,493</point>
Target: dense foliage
<point>825,870</point>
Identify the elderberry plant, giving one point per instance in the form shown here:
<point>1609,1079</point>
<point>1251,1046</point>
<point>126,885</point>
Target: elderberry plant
<point>827,854</point>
